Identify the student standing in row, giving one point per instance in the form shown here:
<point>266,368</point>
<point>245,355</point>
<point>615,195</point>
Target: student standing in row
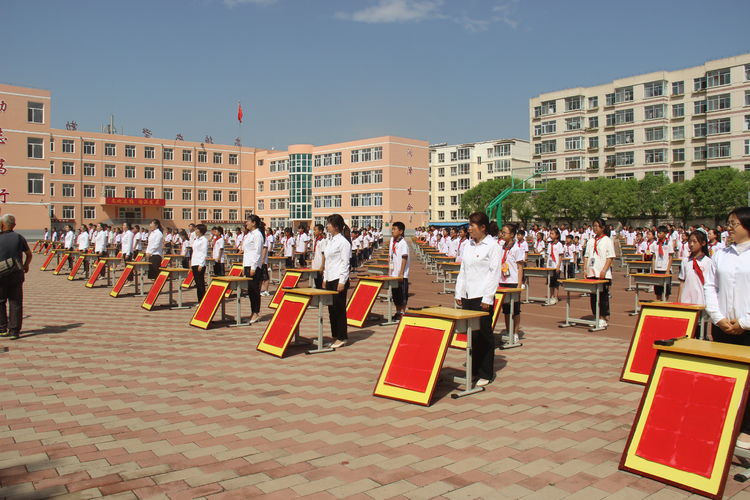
<point>301,247</point>
<point>288,243</point>
<point>477,281</point>
<point>511,274</point>
<point>266,269</point>
<point>398,266</point>
<point>155,248</point>
<point>597,264</point>
<point>555,251</point>
<point>318,246</point>
<point>252,260</point>
<point>217,251</point>
<point>694,269</point>
<point>337,254</point>
<point>662,251</point>
<point>198,260</point>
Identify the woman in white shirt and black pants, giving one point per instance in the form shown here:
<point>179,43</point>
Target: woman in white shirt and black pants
<point>252,261</point>
<point>337,255</point>
<point>155,248</point>
<point>727,294</point>
<point>198,260</point>
<point>476,284</point>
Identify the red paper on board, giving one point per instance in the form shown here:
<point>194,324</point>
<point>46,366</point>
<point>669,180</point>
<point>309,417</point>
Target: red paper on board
<point>289,281</point>
<point>460,337</point>
<point>164,262</point>
<point>655,328</point>
<point>361,301</point>
<point>235,271</point>
<point>684,425</point>
<point>47,261</point>
<point>208,305</point>
<point>156,288</point>
<point>61,264</point>
<point>76,267</point>
<point>282,327</point>
<point>414,359</point>
<point>188,280</point>
<point>95,275</point>
<point>123,279</point>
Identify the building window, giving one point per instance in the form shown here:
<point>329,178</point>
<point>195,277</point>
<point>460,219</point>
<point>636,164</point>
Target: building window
<point>655,134</point>
<point>678,88</point>
<point>187,194</point>
<point>218,177</point>
<point>678,110</point>
<point>202,195</point>
<point>130,192</point>
<point>678,133</point>
<point>747,123</point>
<point>187,175</point>
<point>68,212</point>
<point>573,103</point>
<point>678,155</point>
<point>89,169</point>
<point>543,147</point>
<point>217,195</point>
<point>654,112</point>
<point>718,77</point>
<point>367,154</point>
<point>187,155</point>
<point>699,130</point>
<point>110,191</point>
<point>52,144</point>
<point>327,201</point>
<point>167,213</point>
<point>149,173</point>
<point>168,193</point>
<point>89,191</point>
<point>655,155</point>
<point>202,214</point>
<point>699,153</point>
<point>719,150</point>
<point>653,89</point>
<point>89,148</point>
<point>52,189</point>
<point>464,184</point>
<point>233,214</point>
<point>202,157</point>
<point>573,163</point>
<point>593,102</point>
<point>367,199</point>
<point>361,177</point>
<point>699,84</point>
<point>187,214</point>
<point>261,205</point>
<point>232,177</point>
<point>718,102</point>
<point>218,215</point>
<point>129,151</point>
<point>35,147</point>
<point>110,170</point>
<point>110,149</point>
<point>233,196</point>
<point>35,183</point>
<point>217,158</point>
<point>89,212</point>
<point>68,146</point>
<point>168,154</point>
<point>718,126</point>
<point>334,180</point>
<point>594,163</point>
<point>593,142</point>
<point>747,147</point>
<point>232,158</point>
<point>68,168</point>
<point>68,190</point>
<point>441,200</point>
<point>594,122</point>
<point>35,112</point>
<point>260,186</point>
<point>149,193</point>
<point>441,186</point>
<point>202,175</point>
<point>129,172</point>
<point>574,123</point>
<point>168,174</point>
<point>441,157</point>
<point>149,152</point>
<point>699,107</point>
<point>678,176</point>
<point>572,143</point>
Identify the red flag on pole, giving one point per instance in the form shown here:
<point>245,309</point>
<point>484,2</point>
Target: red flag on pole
<point>239,112</point>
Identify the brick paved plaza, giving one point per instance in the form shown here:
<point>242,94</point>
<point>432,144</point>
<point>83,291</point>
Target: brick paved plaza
<point>102,398</point>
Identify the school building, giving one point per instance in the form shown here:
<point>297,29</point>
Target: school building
<point>50,177</point>
<point>671,122</point>
<point>454,169</point>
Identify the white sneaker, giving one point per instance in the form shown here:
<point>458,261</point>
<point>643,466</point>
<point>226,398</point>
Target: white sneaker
<point>482,382</point>
<point>515,339</point>
<point>553,300</point>
<point>602,324</point>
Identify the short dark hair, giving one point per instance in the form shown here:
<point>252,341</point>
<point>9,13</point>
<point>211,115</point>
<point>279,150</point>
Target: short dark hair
<point>662,229</point>
<point>743,216</point>
<point>202,228</point>
<point>400,226</point>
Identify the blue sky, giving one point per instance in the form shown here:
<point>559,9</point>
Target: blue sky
<point>324,71</point>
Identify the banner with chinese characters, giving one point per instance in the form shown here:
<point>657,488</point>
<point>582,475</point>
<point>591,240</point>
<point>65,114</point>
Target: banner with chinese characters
<point>136,202</point>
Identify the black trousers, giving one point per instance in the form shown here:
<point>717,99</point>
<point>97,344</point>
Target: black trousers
<point>289,262</point>
<point>516,304</point>
<point>337,311</point>
<point>659,290</point>
<point>400,293</point>
<point>153,270</point>
<point>319,281</point>
<point>200,281</point>
<point>253,289</point>
<point>483,343</point>
<point>570,270</point>
<point>301,260</point>
<point>218,269</point>
<point>603,300</point>
<point>11,293</point>
<point>744,339</point>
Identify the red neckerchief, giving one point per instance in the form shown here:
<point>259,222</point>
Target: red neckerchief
<point>552,252</point>
<point>393,247</point>
<point>315,243</point>
<point>660,244</point>
<point>507,249</point>
<point>596,242</point>
<point>698,271</point>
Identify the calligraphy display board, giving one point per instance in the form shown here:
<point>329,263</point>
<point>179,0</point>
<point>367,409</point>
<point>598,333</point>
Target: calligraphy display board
<point>361,302</point>
<point>95,274</point>
<point>117,289</point>
<point>285,321</point>
<point>156,288</point>
<point>47,261</point>
<point>414,359</point>
<point>459,338</point>
<point>290,280</point>
<point>209,304</point>
<point>76,267</point>
<point>236,271</point>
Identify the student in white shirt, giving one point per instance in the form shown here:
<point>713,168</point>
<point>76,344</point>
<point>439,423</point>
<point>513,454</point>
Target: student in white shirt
<point>398,266</point>
<point>662,251</point>
<point>570,252</point>
<point>512,260</point>
<point>318,246</point>
<point>463,240</point>
<point>82,242</point>
<point>476,284</point>
<point>714,242</point>
<point>198,260</point>
<point>684,251</point>
<point>337,255</point>
<point>555,251</point>
<point>265,270</point>
<point>288,243</point>
<point>252,261</point>
<point>728,294</point>
<point>597,264</point>
<point>155,248</point>
<point>126,243</point>
<point>184,248</point>
<point>300,247</point>
<point>217,251</point>
<point>693,270</point>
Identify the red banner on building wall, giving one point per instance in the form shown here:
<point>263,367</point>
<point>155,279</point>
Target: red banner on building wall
<point>139,202</point>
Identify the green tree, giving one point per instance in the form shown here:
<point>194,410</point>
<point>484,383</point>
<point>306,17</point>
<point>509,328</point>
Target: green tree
<point>477,198</point>
<point>623,203</point>
<point>545,203</point>
<point>716,192</point>
<point>651,197</point>
<point>523,205</point>
<point>679,201</point>
<point>596,197</point>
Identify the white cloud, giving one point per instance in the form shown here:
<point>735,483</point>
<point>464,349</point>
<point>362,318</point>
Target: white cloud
<point>233,3</point>
<point>395,11</point>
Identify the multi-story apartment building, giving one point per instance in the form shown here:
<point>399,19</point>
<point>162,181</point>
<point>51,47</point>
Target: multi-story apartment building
<point>672,122</point>
<point>49,177</point>
<point>458,168</point>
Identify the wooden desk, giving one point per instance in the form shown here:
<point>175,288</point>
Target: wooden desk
<point>450,270</point>
<point>464,321</point>
<point>308,273</point>
<point>584,286</point>
<point>279,260</point>
<point>635,267</point>
<point>510,295</point>
<point>176,274</point>
<point>111,263</point>
<point>389,283</point>
<point>538,272</point>
<point>318,298</point>
<point>378,268</point>
<point>235,282</point>
<point>139,267</point>
<point>648,279</point>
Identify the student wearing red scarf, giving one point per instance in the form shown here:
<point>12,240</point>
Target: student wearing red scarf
<point>694,270</point>
<point>597,264</point>
<point>662,251</point>
<point>318,258</point>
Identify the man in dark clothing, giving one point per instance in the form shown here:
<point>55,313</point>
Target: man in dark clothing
<point>12,246</point>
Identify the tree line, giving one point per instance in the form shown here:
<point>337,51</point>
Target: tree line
<point>711,193</point>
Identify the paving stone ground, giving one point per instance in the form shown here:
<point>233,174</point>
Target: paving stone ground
<point>101,398</point>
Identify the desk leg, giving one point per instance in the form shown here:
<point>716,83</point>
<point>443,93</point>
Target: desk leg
<point>179,293</point>
<point>599,291</point>
<point>238,318</point>
<point>468,381</point>
<point>567,311</point>
<point>637,309</point>
<point>547,301</point>
<point>630,282</point>
<point>389,311</point>
<point>320,347</point>
<point>512,341</point>
<point>109,276</point>
<point>528,289</point>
